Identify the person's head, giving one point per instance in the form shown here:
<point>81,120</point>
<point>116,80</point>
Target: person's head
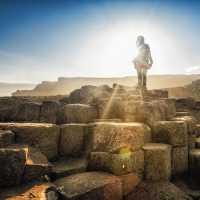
<point>140,40</point>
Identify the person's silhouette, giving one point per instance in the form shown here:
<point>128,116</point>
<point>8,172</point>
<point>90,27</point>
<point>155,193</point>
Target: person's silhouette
<point>142,62</point>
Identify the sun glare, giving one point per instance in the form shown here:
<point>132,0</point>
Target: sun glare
<point>111,50</point>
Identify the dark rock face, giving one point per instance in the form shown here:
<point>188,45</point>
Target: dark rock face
<point>49,111</point>
<point>72,139</point>
<point>28,112</point>
<point>12,166</point>
<point>7,137</point>
<point>157,191</point>
<point>65,167</point>
<point>37,165</point>
<point>91,186</point>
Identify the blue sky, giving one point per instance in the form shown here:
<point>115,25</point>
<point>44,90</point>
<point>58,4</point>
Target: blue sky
<point>45,39</point>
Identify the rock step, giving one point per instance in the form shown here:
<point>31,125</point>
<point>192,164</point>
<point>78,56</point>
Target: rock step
<point>43,136</point>
<point>108,120</point>
<point>170,132</point>
<point>157,161</point>
<point>97,185</point>
<point>190,122</point>
<point>194,159</point>
<point>121,163</point>
<point>197,132</point>
<point>22,164</point>
<point>65,167</point>
<point>182,113</point>
<point>37,164</point>
<point>197,143</point>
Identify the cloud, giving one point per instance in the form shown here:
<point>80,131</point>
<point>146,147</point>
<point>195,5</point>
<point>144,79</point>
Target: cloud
<point>193,70</point>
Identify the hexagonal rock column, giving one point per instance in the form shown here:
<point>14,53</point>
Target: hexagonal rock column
<point>77,113</point>
<point>194,157</point>
<point>90,186</point>
<point>145,111</point>
<point>190,122</point>
<point>175,134</point>
<point>170,132</point>
<point>111,136</point>
<point>171,108</point>
<point>118,164</point>
<point>72,139</point>
<point>197,131</point>
<point>41,135</point>
<point>112,107</point>
<point>7,137</point>
<point>157,161</point>
<point>12,166</point>
<point>28,112</point>
<point>49,111</point>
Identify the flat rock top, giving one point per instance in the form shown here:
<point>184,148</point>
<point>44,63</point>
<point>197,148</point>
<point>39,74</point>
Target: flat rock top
<point>176,121</point>
<point>156,146</point>
<point>73,125</point>
<point>84,182</point>
<point>133,124</point>
<point>47,125</point>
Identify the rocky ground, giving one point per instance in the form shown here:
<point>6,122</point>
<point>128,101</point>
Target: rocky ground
<point>100,143</point>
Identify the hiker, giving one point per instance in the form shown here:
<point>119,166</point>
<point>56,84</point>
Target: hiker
<point>143,61</point>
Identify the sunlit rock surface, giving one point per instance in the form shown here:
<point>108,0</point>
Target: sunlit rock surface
<point>90,186</point>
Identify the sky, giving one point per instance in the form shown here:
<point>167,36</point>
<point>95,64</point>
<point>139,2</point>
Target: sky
<point>46,39</point>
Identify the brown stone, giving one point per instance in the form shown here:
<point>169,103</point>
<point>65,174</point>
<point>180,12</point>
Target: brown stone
<point>129,182</point>
<point>111,137</point>
<point>49,111</point>
<point>90,186</point>
<point>157,190</point>
<point>157,161</point>
<point>72,139</point>
<point>112,107</point>
<point>179,160</point>
<point>194,163</point>
<point>65,167</point>
<point>99,161</point>
<point>7,137</point>
<point>78,113</point>
<point>37,165</point>
<point>170,132</point>
<point>124,163</point>
<point>40,135</point>
<point>28,112</point>
<point>190,122</point>
<point>12,166</point>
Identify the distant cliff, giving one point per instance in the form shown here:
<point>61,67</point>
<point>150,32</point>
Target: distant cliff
<point>6,89</point>
<point>64,86</point>
<point>190,90</point>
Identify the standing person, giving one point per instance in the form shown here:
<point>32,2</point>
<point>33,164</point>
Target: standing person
<point>142,62</point>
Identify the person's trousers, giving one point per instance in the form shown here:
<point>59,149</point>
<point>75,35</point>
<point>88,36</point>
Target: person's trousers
<point>142,77</point>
